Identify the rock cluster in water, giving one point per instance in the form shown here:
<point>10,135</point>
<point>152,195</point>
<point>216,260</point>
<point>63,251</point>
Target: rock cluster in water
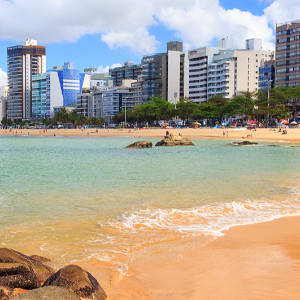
<point>140,145</point>
<point>244,143</point>
<point>26,277</point>
<point>170,140</point>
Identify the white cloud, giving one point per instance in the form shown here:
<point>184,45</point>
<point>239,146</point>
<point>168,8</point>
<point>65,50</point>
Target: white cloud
<point>204,21</point>
<point>102,69</point>
<point>282,11</point>
<point>3,77</point>
<point>127,23</point>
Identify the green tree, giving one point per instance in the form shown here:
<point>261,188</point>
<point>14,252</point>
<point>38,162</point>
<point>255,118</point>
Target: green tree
<point>186,108</point>
<point>221,106</point>
<point>206,110</point>
<point>81,120</point>
<point>61,116</point>
<point>268,107</point>
<point>94,121</point>
<point>293,94</point>
<point>242,106</point>
<point>73,116</point>
<point>7,122</point>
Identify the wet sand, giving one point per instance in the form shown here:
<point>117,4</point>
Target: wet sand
<point>261,134</point>
<point>259,261</point>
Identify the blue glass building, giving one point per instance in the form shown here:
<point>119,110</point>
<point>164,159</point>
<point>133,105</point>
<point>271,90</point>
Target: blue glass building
<point>266,73</point>
<point>56,88</point>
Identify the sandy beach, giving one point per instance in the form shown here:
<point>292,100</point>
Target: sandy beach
<point>261,134</point>
<point>258,261</point>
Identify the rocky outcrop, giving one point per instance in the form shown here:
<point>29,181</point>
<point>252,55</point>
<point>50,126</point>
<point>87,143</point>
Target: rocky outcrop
<point>9,256</point>
<point>49,293</point>
<point>41,259</point>
<point>140,145</point>
<point>18,275</point>
<point>244,143</point>
<point>6,293</point>
<point>79,281</point>
<point>171,140</point>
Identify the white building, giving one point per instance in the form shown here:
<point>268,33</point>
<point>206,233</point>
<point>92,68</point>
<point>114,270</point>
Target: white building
<point>224,71</point>
<point>199,59</point>
<point>234,71</point>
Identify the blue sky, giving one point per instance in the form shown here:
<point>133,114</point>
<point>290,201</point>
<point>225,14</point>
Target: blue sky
<point>99,33</point>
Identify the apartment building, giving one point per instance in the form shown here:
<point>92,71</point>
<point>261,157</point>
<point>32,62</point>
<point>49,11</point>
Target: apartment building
<point>137,93</point>
<point>90,104</point>
<point>234,71</point>
<point>287,70</point>
<point>23,61</point>
<point>128,71</point>
<point>166,73</point>
<point>266,75</point>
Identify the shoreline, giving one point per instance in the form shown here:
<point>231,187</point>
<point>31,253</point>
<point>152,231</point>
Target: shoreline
<point>261,134</point>
<point>254,261</point>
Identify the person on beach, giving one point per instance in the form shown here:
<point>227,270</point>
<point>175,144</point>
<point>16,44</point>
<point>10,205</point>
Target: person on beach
<point>227,133</point>
<point>223,133</point>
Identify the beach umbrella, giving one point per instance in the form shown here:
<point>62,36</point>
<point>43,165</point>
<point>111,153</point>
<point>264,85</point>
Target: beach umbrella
<point>294,123</point>
<point>284,122</point>
<point>223,124</point>
<point>251,122</point>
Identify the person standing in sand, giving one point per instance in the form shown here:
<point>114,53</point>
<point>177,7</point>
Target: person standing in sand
<point>227,133</point>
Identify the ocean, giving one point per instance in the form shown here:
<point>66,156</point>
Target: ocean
<point>76,200</point>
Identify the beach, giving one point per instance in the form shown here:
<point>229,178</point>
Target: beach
<point>149,224</point>
<point>261,134</point>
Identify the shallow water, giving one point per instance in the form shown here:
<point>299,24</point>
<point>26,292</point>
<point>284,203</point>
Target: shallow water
<point>75,199</point>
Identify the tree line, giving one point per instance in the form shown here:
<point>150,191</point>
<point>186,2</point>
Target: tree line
<point>61,116</point>
<point>259,105</point>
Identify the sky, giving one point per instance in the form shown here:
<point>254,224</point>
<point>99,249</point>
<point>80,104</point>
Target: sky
<point>103,34</point>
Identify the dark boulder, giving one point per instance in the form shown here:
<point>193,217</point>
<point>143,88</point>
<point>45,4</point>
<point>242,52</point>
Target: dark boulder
<point>18,275</point>
<point>10,256</point>
<point>140,145</point>
<point>48,293</point>
<point>41,259</point>
<point>79,281</point>
<point>6,293</point>
<point>244,143</point>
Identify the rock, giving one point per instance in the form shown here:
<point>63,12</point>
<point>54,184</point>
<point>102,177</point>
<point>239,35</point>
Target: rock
<point>41,259</point>
<point>170,140</point>
<point>6,293</point>
<point>244,143</point>
<point>79,281</point>
<point>48,293</point>
<point>10,256</point>
<point>18,275</point>
<point>140,145</point>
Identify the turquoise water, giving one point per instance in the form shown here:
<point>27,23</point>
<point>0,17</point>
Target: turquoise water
<point>69,194</point>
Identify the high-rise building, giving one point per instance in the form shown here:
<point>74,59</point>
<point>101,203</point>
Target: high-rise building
<point>128,71</point>
<point>199,59</point>
<point>90,104</point>
<point>23,62</point>
<point>235,71</point>
<point>225,71</point>
<point>287,70</point>
<point>266,75</point>
<point>166,73</point>
<point>56,89</point>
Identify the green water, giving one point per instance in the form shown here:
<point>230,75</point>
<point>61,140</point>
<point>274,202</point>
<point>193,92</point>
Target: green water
<point>51,186</point>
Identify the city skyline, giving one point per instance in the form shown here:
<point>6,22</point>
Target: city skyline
<point>94,35</point>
